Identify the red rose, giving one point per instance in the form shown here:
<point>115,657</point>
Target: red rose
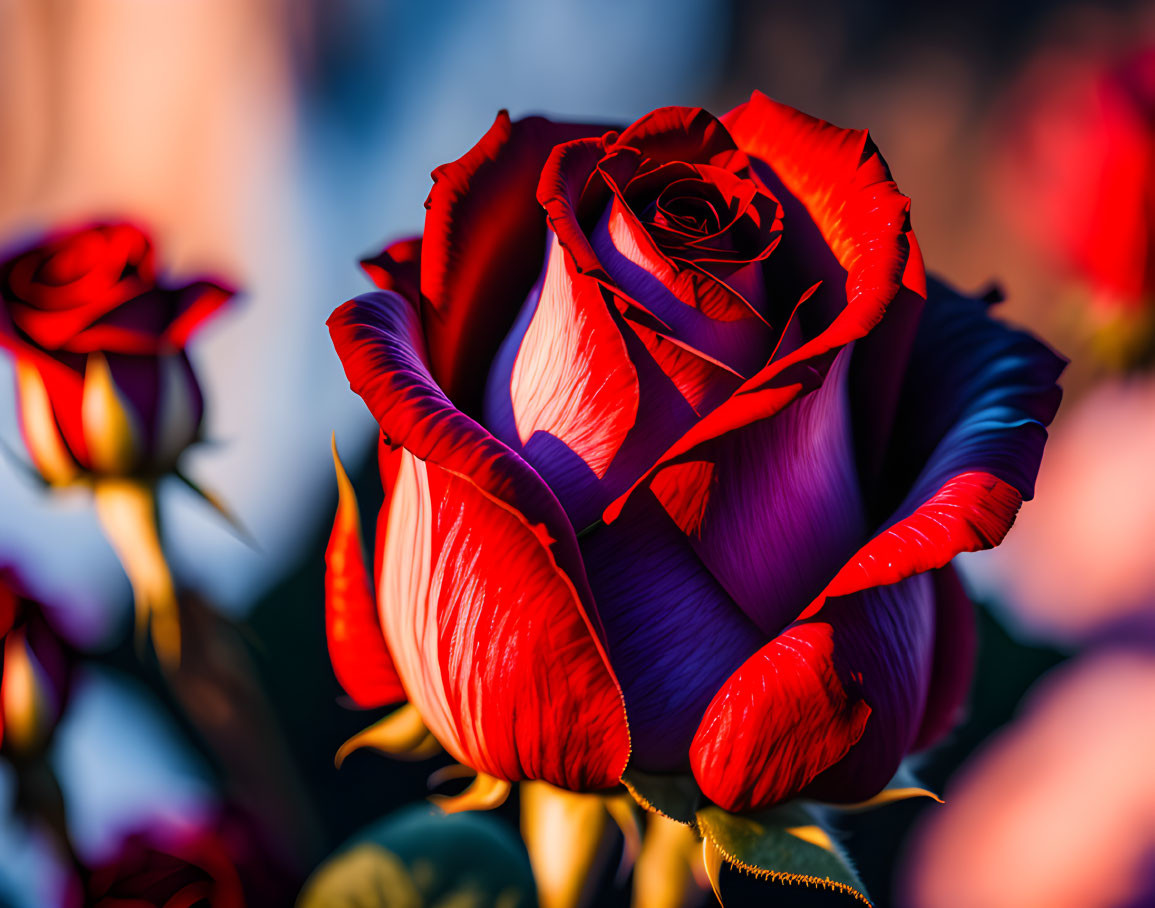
<point>170,868</point>
<point>1076,169</point>
<point>104,384</point>
<point>677,447</point>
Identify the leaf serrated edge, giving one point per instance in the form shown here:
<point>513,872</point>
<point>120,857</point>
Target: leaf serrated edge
<point>646,804</point>
<point>778,876</point>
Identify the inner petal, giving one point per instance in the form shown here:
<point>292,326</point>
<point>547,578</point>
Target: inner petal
<point>780,509</point>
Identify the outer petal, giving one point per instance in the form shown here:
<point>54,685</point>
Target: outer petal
<point>501,499</point>
<point>357,649</point>
<point>969,435</point>
<point>153,322</point>
<point>397,267</point>
<point>844,690</point>
<point>885,639</point>
<point>674,633</point>
<point>490,638</point>
<point>50,390</point>
<point>378,337</point>
<point>846,189</point>
<point>846,186</point>
<point>483,245</point>
<point>955,642</point>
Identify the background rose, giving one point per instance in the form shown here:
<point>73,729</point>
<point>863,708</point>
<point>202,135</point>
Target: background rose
<point>104,384</point>
<point>167,867</point>
<point>1076,167</point>
<point>35,672</point>
<point>710,461</point>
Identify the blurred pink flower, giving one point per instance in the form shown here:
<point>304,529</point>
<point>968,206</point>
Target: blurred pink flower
<point>1060,809</point>
<point>1079,560</point>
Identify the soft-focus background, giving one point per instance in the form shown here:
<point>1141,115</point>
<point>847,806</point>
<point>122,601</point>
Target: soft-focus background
<point>276,141</point>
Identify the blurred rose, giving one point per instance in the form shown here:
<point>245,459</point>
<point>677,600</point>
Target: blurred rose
<point>665,413</point>
<point>103,382</point>
<point>1077,167</point>
<point>168,867</point>
<point>1060,809</point>
<point>1079,563</point>
<point>35,672</point>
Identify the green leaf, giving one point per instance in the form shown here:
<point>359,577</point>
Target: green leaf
<point>674,796</point>
<point>796,855</point>
<point>364,875</point>
<point>419,857</point>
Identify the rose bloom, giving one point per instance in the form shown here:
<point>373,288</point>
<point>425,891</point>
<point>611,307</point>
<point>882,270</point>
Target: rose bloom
<point>35,672</point>
<point>678,444</point>
<point>103,383</point>
<point>1076,168</point>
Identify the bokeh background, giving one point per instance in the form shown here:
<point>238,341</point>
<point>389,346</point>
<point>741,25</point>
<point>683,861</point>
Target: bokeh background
<point>277,141</point>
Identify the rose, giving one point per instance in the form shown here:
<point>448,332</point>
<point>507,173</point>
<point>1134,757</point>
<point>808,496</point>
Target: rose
<point>1075,173</point>
<point>104,384</point>
<point>677,446</point>
<point>35,672</point>
<point>167,867</point>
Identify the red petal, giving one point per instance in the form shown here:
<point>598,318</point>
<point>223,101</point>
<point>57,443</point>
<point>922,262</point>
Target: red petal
<point>502,501</point>
<point>680,134</point>
<point>562,192</point>
<point>483,245</point>
<point>491,638</point>
<point>63,377</point>
<point>972,511</point>
<point>195,303</point>
<point>357,649</point>
<point>844,183</point>
<point>397,267</point>
<point>827,709</point>
<point>779,720</point>
<point>955,643</point>
<point>378,337</point>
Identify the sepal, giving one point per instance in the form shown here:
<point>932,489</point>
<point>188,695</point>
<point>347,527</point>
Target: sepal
<point>786,845</point>
<point>904,786</point>
<point>401,734</point>
<point>674,796</point>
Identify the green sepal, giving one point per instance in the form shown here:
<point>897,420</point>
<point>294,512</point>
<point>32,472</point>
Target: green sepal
<point>675,796</point>
<point>773,845</point>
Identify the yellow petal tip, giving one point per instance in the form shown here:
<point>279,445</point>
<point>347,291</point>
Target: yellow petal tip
<point>484,793</point>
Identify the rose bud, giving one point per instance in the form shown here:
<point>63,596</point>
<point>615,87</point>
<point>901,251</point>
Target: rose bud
<point>104,385</point>
<point>35,673</point>
<point>678,443</point>
<point>105,390</point>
